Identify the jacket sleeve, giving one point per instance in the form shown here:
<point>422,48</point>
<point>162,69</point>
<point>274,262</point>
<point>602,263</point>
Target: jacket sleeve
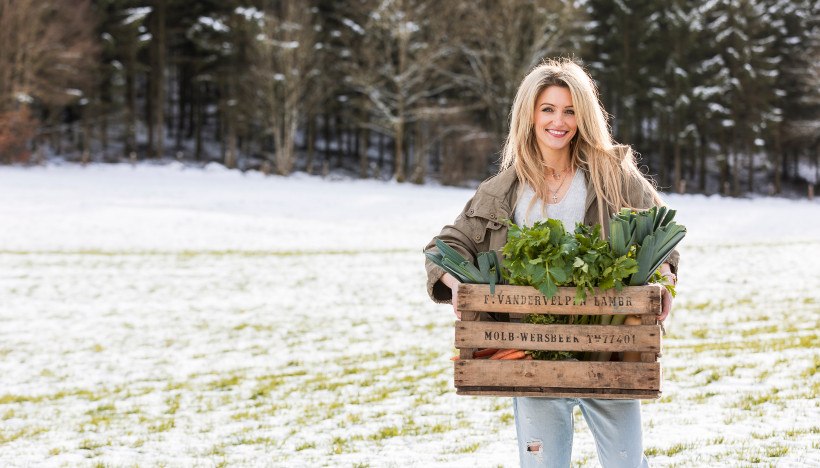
<point>459,236</point>
<point>642,196</point>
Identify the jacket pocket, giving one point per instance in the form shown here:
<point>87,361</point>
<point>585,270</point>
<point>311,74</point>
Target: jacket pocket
<point>482,226</point>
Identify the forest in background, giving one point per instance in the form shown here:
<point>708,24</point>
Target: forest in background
<point>716,96</point>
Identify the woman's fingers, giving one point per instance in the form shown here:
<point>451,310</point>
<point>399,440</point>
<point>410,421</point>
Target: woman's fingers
<point>455,304</point>
<point>666,305</point>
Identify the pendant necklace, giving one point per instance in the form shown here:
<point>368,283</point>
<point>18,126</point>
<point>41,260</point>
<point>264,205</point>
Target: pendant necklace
<point>557,176</point>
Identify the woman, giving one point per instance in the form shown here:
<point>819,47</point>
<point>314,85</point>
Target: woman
<point>559,161</point>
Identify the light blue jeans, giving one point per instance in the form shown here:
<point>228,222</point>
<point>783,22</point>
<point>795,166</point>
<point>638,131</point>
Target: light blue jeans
<point>545,428</point>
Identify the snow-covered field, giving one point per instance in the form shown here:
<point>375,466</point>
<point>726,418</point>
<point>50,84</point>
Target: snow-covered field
<point>164,316</point>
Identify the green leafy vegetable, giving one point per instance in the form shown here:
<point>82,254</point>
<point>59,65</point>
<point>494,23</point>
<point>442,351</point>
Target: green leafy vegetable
<point>653,232</point>
<point>488,271</point>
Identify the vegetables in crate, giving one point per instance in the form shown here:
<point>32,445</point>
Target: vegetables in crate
<point>654,234</point>
<point>546,256</point>
<point>488,271</point>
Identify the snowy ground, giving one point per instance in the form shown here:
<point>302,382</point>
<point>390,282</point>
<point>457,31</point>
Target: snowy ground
<point>163,316</point>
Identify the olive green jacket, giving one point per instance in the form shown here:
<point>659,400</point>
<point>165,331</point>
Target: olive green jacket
<point>480,226</point>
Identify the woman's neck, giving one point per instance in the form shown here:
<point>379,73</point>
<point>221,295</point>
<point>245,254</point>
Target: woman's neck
<point>555,160</point>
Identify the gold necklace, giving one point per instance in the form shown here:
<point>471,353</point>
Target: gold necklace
<point>555,192</point>
<point>558,175</point>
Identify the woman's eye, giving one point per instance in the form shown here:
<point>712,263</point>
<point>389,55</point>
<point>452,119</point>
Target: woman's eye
<point>547,109</point>
<point>570,112</point>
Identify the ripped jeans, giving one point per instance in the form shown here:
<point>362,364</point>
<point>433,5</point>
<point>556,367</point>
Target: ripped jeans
<point>545,428</point>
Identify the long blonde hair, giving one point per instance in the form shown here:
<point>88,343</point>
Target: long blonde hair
<point>610,166</point>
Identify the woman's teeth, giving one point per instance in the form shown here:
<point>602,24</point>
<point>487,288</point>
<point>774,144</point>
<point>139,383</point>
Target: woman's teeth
<point>557,133</point>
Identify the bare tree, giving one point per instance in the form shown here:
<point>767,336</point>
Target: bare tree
<point>284,71</point>
<point>396,53</point>
<point>47,53</point>
<point>501,40</point>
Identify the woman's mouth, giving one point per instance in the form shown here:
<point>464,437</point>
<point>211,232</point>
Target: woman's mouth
<point>557,133</point>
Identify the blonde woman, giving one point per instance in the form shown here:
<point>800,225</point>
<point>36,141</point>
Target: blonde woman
<point>559,161</point>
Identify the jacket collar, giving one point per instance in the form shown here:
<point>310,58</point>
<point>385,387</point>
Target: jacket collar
<point>495,197</point>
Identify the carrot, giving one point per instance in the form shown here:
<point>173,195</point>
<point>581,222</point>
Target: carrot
<point>485,352</point>
<point>454,358</point>
<point>502,352</point>
<point>514,355</point>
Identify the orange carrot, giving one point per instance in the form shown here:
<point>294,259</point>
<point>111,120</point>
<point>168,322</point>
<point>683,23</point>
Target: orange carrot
<point>485,352</point>
<point>501,353</point>
<point>454,358</point>
<point>515,355</point>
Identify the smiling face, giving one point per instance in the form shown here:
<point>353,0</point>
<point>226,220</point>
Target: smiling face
<point>554,121</point>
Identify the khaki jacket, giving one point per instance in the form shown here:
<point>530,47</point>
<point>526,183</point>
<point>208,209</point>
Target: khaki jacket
<point>479,227</point>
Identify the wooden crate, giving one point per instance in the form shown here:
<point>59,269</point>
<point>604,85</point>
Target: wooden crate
<point>609,380</point>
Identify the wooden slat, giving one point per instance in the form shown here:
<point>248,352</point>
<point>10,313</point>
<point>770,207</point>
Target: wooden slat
<point>653,356</point>
<point>557,337</point>
<point>563,374</point>
<point>467,317</point>
<point>525,299</point>
<point>559,393</point>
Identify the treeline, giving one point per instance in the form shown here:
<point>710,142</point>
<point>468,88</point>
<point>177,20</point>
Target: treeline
<point>718,96</point>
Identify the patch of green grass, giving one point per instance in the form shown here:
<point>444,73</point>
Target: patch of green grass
<point>162,426</point>
<point>701,333</point>
<point>470,448</point>
<point>9,398</point>
<point>338,446</point>
<point>225,383</point>
<point>776,451</point>
<point>713,376</point>
<point>506,418</point>
<point>673,450</point>
<point>702,397</point>
<point>173,404</point>
<point>440,428</point>
<point>385,433</point>
<point>812,369</point>
<point>89,444</point>
<point>26,432</point>
<point>752,401</point>
<point>305,446</point>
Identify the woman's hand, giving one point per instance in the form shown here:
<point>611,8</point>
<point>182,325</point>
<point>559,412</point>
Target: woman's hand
<point>666,304</point>
<point>451,282</point>
<point>666,296</point>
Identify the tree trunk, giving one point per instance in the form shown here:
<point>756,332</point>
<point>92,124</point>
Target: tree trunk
<point>158,78</point>
<point>326,131</point>
<point>751,170</point>
<point>230,144</point>
<point>661,165</point>
<point>735,161</point>
<point>380,163</point>
<point>311,143</point>
<point>199,121</point>
<point>778,160</point>
<point>364,162</point>
<point>677,162</point>
<point>183,96</point>
<point>420,155</point>
<point>702,148</point>
<point>398,159</point>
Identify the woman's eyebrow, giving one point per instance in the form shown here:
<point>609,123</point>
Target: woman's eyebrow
<point>553,105</point>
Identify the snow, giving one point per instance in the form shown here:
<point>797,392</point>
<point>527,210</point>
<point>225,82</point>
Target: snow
<point>136,14</point>
<point>353,25</point>
<point>250,13</point>
<point>167,315</point>
<point>213,23</point>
